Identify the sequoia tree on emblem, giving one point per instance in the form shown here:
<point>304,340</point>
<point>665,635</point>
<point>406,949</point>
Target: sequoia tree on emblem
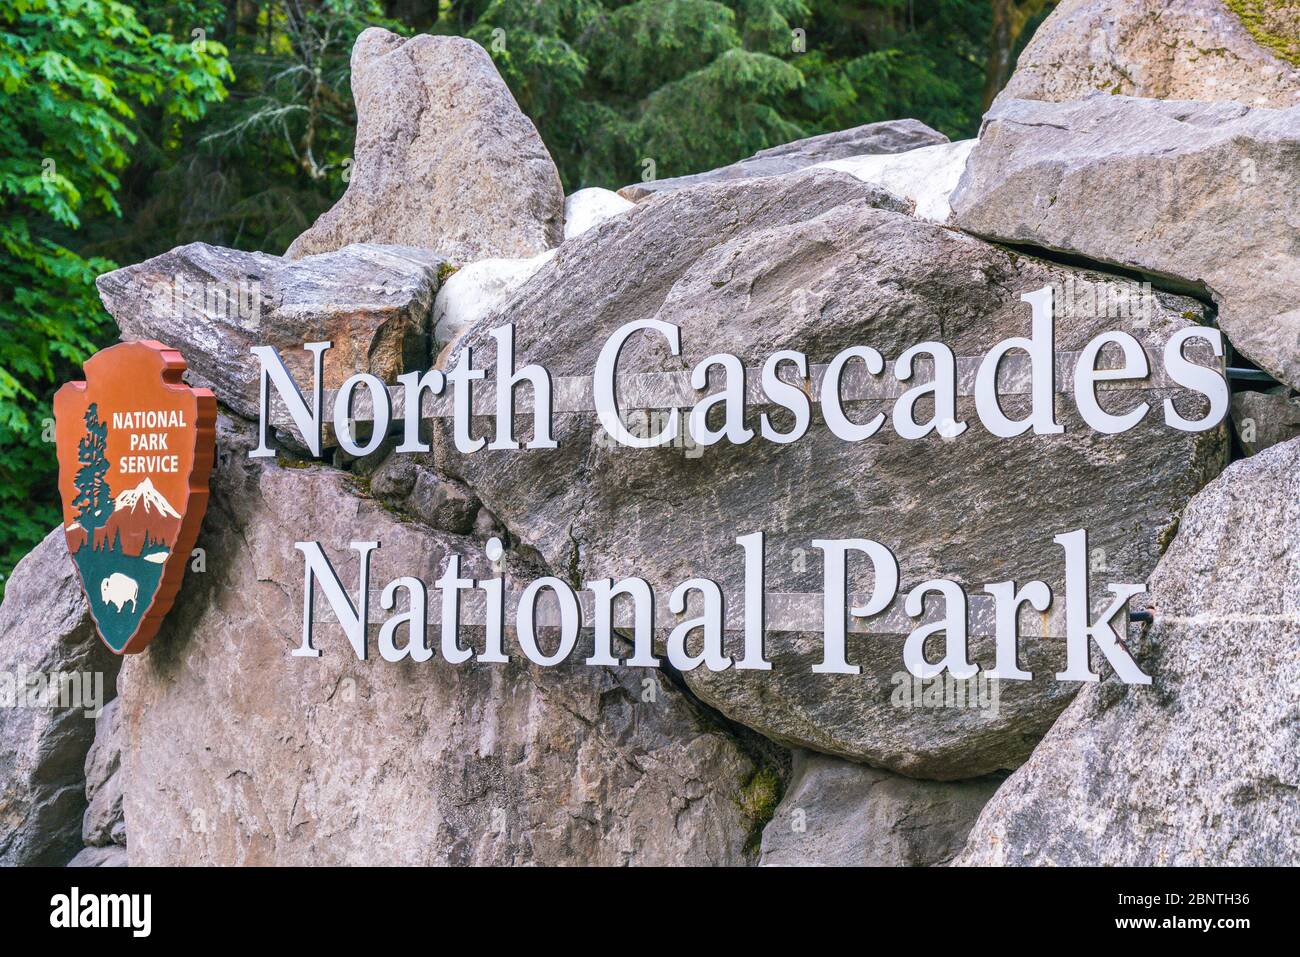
<point>135,448</point>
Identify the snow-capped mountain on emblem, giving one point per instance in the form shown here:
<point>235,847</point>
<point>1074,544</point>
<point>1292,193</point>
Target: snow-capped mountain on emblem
<point>145,494</point>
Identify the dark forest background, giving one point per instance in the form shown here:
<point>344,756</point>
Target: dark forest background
<point>130,128</point>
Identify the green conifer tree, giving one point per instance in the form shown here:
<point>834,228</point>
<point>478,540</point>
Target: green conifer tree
<point>94,501</point>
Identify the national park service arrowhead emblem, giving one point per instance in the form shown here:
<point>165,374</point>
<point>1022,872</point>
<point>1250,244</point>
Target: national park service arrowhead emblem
<point>135,449</point>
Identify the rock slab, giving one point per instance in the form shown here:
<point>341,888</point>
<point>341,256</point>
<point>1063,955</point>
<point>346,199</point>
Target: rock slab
<point>1198,193</point>
<point>1163,49</point>
<point>890,136</point>
<point>214,304</point>
<point>818,261</point>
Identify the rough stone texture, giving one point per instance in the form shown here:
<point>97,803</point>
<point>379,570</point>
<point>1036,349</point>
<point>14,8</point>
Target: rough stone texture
<point>444,157</point>
<point>104,823</point>
<point>476,290</point>
<point>891,136</point>
<point>1203,765</point>
<point>394,479</point>
<point>1264,419</point>
<point>836,813</point>
<point>927,176</point>
<point>111,856</point>
<point>443,503</point>
<point>1200,192</point>
<point>590,207</point>
<point>371,302</point>
<point>239,753</point>
<point>1164,49</point>
<point>45,628</point>
<point>809,262</point>
<point>413,487</point>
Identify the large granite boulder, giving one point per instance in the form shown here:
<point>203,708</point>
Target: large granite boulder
<point>890,136</point>
<point>238,752</point>
<point>1164,49</point>
<point>444,157</point>
<point>836,813</point>
<point>1203,765</point>
<point>46,631</point>
<point>1203,193</point>
<point>817,261</point>
<point>214,304</point>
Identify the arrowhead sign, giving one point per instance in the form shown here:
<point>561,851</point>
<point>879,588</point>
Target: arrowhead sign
<point>135,448</point>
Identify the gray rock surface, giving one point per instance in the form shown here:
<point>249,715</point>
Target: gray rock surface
<point>239,753</point>
<point>797,262</point>
<point>836,813</point>
<point>890,136</point>
<point>1264,419</point>
<point>1203,193</point>
<point>1164,49</point>
<point>412,486</point>
<point>104,823</point>
<point>111,856</point>
<point>45,629</point>
<point>1203,765</point>
<point>444,158</point>
<point>372,302</point>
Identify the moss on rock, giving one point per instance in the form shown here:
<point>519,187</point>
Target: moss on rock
<point>1275,25</point>
<point>758,798</point>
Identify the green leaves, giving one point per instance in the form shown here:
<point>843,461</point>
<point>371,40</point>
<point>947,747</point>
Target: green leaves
<point>694,84</point>
<point>603,81</point>
<point>74,77</point>
<point>736,93</point>
<point>638,48</point>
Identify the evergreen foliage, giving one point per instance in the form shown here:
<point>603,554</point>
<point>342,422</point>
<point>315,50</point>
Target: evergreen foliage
<point>94,500</point>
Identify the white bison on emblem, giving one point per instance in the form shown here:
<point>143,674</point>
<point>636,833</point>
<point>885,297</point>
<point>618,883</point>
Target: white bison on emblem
<point>118,589</point>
